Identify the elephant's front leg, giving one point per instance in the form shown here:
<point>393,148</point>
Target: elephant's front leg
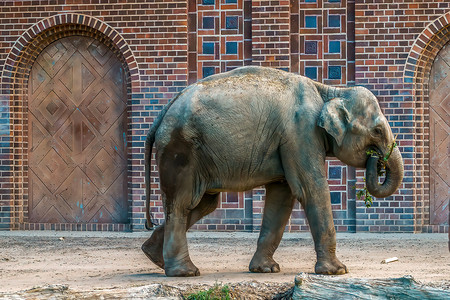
<point>308,182</point>
<point>317,206</point>
<point>277,210</point>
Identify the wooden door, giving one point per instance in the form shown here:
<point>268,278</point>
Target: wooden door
<point>439,137</point>
<point>77,124</point>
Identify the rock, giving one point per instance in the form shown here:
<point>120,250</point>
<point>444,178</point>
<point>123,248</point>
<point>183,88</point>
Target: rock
<point>309,286</point>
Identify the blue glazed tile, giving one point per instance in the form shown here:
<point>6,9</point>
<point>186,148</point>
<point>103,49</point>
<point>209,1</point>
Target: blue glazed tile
<point>208,48</point>
<point>4,129</point>
<point>208,71</point>
<point>231,1</point>
<point>311,72</point>
<point>339,215</point>
<point>409,73</point>
<point>334,172</point>
<point>335,197</point>
<point>6,225</point>
<point>311,47</point>
<point>231,22</point>
<point>331,1</point>
<point>334,47</point>
<point>349,222</point>
<point>311,1</point>
<point>208,23</point>
<point>334,21</point>
<point>208,2</point>
<point>407,216</point>
<point>310,21</point>
<point>334,72</point>
<point>231,48</point>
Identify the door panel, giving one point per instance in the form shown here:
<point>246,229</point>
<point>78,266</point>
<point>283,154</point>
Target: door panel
<point>439,137</point>
<point>77,124</point>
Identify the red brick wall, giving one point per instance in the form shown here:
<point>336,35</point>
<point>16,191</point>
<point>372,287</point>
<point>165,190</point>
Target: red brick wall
<point>173,43</point>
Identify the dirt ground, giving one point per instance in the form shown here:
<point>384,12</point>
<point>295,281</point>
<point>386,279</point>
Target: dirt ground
<point>94,261</point>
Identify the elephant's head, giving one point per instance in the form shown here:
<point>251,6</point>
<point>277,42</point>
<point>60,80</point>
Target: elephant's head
<point>353,118</point>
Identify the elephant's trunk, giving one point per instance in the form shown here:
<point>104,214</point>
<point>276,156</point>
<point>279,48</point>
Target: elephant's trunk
<point>394,175</point>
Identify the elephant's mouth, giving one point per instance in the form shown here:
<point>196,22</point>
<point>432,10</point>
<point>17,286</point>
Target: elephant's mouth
<point>374,151</point>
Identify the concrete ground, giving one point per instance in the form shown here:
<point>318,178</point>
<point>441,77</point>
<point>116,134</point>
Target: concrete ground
<point>92,261</point>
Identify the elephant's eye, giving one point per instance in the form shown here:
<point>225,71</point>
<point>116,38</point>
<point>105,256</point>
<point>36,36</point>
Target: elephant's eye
<point>377,131</point>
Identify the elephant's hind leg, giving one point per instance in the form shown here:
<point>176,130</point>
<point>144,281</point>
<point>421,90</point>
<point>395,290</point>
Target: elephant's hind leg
<point>177,179</point>
<point>277,210</point>
<point>153,247</point>
<point>207,205</point>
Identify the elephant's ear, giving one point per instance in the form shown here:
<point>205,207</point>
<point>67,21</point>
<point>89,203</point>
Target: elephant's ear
<point>334,118</point>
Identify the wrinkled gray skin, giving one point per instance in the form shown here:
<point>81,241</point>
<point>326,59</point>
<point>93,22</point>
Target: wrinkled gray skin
<point>258,126</point>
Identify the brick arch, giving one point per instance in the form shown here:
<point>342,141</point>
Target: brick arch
<point>15,84</point>
<point>417,73</point>
<point>59,24</point>
<point>422,49</point>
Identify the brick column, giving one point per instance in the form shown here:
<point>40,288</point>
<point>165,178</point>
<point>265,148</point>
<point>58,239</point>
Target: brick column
<point>270,33</point>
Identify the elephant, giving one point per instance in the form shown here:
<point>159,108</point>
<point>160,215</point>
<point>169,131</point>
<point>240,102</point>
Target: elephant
<point>256,126</point>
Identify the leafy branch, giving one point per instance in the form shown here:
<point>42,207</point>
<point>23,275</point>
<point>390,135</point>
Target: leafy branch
<point>381,170</point>
<point>214,293</point>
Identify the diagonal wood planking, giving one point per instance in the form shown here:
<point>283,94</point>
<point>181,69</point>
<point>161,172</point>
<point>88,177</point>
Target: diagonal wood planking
<point>77,122</point>
<point>439,138</point>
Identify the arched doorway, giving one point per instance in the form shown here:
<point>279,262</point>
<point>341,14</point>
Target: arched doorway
<point>77,99</point>
<point>425,69</point>
<point>439,95</point>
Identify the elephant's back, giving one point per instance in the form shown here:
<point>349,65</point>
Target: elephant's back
<point>236,121</point>
<point>242,96</point>
<point>237,102</point>
<point>250,80</point>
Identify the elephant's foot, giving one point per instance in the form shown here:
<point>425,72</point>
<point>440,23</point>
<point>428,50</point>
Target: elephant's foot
<point>330,267</point>
<point>153,247</point>
<point>261,264</point>
<point>182,270</point>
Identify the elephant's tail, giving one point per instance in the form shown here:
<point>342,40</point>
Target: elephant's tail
<point>149,141</point>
